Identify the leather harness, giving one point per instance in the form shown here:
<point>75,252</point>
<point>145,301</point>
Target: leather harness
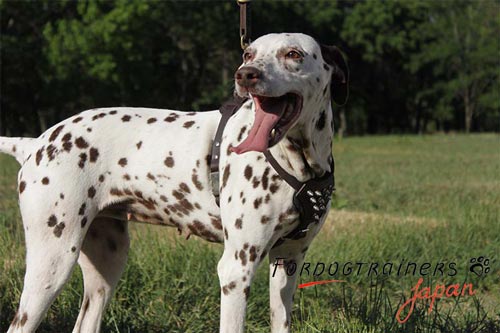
<point>311,197</point>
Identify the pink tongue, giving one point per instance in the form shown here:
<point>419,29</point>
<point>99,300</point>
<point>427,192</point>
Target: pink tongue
<point>258,138</point>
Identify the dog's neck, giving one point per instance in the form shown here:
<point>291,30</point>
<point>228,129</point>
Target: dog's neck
<point>306,150</point>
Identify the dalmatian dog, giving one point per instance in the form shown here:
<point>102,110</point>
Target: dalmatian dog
<point>83,179</point>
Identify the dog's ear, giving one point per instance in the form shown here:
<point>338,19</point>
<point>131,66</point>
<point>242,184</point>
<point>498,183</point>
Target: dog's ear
<point>339,87</point>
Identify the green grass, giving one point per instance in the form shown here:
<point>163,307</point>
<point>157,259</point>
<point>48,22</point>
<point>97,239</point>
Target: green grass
<point>423,199</point>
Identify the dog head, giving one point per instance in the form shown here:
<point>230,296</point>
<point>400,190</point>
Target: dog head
<point>288,76</point>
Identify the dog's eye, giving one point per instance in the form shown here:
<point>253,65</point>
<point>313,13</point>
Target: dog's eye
<point>294,55</point>
<point>247,56</point>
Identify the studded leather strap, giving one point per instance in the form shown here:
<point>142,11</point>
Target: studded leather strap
<point>310,199</point>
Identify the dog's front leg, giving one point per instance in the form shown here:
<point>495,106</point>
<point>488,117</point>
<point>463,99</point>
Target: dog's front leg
<point>285,267</point>
<point>236,271</point>
<point>285,262</point>
<point>245,245</point>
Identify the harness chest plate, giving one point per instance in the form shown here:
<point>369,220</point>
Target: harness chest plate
<point>311,200</point>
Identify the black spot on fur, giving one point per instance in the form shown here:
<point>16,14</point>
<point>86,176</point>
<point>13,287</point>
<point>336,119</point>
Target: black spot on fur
<point>242,131</point>
<point>243,257</point>
<point>81,143</point>
<point>151,120</point>
<point>122,162</point>
<point>100,115</point>
<point>22,186</point>
<point>81,211</point>
<point>265,179</point>
<point>58,229</point>
<point>171,118</point>
<point>257,203</point>
<point>39,155</point>
<point>23,320</point>
<point>226,174</point>
<point>67,146</point>
<point>169,162</point>
<point>66,137</point>
<point>52,221</point>
<point>45,181</point>
<point>51,150</point>
<point>227,288</point>
<point>184,187</point>
<point>273,188</point>
<point>246,291</point>
<point>253,253</point>
<point>55,133</point>
<point>91,192</point>
<point>126,118</point>
<point>188,124</point>
<point>77,119</point>
<point>216,223</point>
<point>83,159</point>
<point>255,182</point>
<point>320,124</point>
<point>248,172</point>
<point>196,182</point>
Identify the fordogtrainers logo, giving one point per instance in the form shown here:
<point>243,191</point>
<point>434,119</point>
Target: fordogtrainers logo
<point>324,273</point>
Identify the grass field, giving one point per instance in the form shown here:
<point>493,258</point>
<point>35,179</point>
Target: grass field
<point>399,198</point>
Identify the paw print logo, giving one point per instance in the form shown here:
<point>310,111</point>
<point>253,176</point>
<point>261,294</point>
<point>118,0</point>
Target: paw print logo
<point>479,266</point>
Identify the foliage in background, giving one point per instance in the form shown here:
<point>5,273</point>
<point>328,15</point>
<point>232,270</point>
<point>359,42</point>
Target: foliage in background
<point>416,66</point>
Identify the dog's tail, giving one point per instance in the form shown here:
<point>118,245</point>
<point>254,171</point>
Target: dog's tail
<point>17,147</point>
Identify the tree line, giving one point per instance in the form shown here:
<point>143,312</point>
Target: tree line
<point>416,66</point>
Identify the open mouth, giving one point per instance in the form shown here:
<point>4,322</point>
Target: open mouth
<point>273,117</point>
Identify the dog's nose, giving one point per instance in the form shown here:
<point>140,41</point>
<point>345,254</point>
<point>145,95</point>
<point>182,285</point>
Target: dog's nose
<point>247,76</point>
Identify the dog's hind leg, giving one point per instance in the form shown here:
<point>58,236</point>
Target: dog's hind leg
<point>53,239</point>
<point>102,259</point>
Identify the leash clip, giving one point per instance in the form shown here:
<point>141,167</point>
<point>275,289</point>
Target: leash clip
<point>245,23</point>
